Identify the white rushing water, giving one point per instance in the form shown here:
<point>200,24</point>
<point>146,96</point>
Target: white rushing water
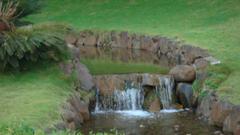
<point>164,91</point>
<point>130,100</point>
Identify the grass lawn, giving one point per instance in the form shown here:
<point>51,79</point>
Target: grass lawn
<point>33,97</point>
<point>210,24</point>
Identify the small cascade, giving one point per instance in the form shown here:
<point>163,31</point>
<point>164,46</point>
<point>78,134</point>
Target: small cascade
<point>129,99</point>
<point>164,91</point>
<point>97,101</point>
<point>132,96</point>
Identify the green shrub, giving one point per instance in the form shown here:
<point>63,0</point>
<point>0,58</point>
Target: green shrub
<point>30,44</point>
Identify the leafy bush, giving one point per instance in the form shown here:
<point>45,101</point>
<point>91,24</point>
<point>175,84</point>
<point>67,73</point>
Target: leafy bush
<point>30,44</point>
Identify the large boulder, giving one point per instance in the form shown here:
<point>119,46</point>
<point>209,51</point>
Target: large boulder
<point>90,40</point>
<point>205,106</point>
<point>232,122</point>
<point>75,112</point>
<point>185,94</point>
<point>201,64</point>
<point>107,84</point>
<point>183,73</point>
<point>150,80</point>
<point>191,53</point>
<point>220,110</point>
<point>146,43</point>
<point>84,77</point>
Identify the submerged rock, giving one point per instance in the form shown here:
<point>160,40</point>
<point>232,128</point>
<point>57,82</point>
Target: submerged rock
<point>185,94</point>
<point>183,73</point>
<point>176,128</point>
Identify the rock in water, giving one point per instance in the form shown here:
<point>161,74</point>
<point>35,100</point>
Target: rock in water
<point>185,94</point>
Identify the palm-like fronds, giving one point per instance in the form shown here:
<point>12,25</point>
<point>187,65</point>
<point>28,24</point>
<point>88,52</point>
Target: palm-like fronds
<point>29,45</point>
<point>8,12</point>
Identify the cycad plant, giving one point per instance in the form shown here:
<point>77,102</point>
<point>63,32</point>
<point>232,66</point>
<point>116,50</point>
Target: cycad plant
<point>8,11</point>
<point>20,46</point>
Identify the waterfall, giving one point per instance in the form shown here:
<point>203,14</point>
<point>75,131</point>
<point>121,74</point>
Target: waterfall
<point>132,96</point>
<point>97,101</point>
<point>128,99</point>
<point>164,91</point>
<point>131,99</point>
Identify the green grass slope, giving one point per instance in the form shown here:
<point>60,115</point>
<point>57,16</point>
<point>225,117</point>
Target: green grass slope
<point>33,97</point>
<point>210,24</point>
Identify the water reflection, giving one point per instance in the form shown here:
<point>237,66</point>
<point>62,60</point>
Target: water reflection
<point>124,55</point>
<point>155,124</point>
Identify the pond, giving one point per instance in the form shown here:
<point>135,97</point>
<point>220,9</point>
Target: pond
<point>125,55</point>
<point>145,123</point>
